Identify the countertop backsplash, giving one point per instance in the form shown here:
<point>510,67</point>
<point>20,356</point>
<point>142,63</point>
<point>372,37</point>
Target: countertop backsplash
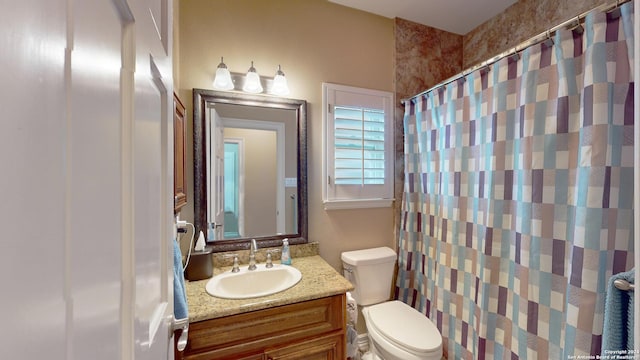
<point>224,259</point>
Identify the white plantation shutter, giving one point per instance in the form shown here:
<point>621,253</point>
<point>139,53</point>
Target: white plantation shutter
<point>359,146</point>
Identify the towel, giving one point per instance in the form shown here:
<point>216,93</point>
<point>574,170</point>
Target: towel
<point>180,308</point>
<point>352,310</point>
<point>618,332</point>
<point>352,342</point>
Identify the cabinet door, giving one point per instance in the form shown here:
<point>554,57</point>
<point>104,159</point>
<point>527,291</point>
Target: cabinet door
<point>252,357</point>
<point>325,348</point>
<point>179,133</point>
<point>225,356</point>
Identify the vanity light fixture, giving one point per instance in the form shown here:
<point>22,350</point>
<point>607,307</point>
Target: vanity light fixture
<point>222,80</point>
<point>252,83</point>
<point>280,86</point>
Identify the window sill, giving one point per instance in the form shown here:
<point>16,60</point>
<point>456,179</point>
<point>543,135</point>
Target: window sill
<point>357,204</point>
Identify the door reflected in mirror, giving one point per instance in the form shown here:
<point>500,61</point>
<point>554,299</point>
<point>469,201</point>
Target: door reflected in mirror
<point>249,169</point>
<point>233,187</point>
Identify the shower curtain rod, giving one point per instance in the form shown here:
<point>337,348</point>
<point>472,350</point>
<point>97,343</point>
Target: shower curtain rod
<point>571,24</point>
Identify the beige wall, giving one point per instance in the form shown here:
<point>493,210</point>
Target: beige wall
<point>175,4</point>
<point>315,41</point>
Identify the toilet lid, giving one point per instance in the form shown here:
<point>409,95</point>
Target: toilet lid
<point>405,326</point>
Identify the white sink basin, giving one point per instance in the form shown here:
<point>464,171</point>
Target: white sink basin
<point>249,284</point>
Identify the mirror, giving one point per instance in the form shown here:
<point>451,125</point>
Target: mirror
<point>250,169</point>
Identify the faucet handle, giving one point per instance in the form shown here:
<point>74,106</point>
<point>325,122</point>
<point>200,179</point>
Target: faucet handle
<point>236,266</point>
<point>269,263</point>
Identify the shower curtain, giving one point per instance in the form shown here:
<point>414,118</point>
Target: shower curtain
<point>518,191</point>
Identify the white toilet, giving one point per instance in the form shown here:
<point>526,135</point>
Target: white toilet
<point>396,330</point>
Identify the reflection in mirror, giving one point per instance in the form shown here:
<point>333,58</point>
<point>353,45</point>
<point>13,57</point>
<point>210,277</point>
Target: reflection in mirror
<point>259,186</point>
<point>249,169</point>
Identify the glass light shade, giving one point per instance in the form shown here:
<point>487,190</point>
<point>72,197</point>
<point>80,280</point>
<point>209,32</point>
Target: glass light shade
<point>252,82</point>
<point>280,86</point>
<point>222,80</point>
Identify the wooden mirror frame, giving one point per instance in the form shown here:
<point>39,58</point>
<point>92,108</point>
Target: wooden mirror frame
<point>201,100</point>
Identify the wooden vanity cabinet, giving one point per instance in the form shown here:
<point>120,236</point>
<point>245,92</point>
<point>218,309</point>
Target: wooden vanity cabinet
<point>179,143</point>
<point>310,330</point>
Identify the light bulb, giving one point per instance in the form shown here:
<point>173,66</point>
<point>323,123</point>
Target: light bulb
<point>252,81</point>
<point>222,80</point>
<point>280,86</point>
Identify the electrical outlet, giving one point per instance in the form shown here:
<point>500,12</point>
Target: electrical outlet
<point>181,225</point>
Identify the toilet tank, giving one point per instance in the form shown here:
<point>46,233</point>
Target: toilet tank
<point>371,273</point>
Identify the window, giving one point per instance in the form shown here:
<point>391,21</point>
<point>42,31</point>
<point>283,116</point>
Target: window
<point>358,140</point>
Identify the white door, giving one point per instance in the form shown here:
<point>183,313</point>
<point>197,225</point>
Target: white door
<point>33,182</point>
<point>152,170</point>
<point>215,174</point>
<point>86,179</point>
<point>636,112</point>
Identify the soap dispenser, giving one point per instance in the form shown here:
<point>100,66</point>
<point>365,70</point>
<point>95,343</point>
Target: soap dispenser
<point>285,257</point>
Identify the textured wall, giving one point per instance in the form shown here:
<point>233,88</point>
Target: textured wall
<point>424,57</point>
<point>521,21</point>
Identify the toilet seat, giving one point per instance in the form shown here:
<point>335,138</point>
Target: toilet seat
<point>405,328</point>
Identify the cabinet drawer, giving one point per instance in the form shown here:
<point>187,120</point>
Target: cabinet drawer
<point>248,332</point>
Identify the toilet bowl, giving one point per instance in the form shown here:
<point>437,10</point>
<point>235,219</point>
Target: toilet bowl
<point>396,330</point>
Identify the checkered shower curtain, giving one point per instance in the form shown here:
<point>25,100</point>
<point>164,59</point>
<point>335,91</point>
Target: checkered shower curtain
<point>518,193</point>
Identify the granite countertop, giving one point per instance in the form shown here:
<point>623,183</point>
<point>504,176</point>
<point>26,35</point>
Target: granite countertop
<point>319,280</point>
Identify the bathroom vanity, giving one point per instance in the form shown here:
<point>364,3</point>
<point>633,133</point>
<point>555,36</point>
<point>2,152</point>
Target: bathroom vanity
<point>307,321</point>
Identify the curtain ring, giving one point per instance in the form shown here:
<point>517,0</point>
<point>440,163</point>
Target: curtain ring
<point>615,12</point>
<point>515,56</point>
<point>549,41</point>
<point>578,29</point>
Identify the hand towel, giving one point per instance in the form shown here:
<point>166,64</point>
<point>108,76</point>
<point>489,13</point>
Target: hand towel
<point>352,309</point>
<point>352,342</point>
<point>180,308</point>
<point>618,331</point>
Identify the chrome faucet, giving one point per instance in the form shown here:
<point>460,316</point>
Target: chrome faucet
<point>252,254</point>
